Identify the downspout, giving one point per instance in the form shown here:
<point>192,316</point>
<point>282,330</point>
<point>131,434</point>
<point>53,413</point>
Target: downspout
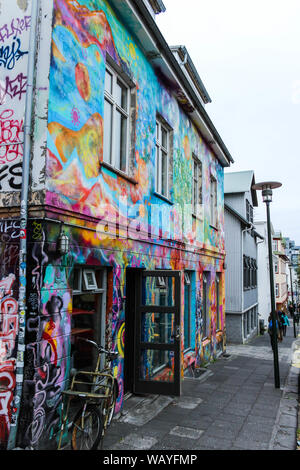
<point>258,314</point>
<point>242,273</point>
<point>23,230</point>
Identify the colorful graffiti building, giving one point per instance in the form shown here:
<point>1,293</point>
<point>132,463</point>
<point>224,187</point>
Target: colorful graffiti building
<point>120,238</point>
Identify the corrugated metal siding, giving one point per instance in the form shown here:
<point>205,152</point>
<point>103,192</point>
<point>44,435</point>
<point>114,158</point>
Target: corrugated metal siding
<point>233,277</point>
<point>237,202</point>
<point>250,249</point>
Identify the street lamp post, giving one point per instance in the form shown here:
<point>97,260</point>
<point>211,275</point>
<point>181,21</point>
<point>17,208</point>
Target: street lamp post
<point>266,187</point>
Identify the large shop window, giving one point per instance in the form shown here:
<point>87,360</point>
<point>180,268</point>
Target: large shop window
<point>218,320</point>
<point>205,309</point>
<point>88,314</point>
<point>116,120</point>
<point>187,310</point>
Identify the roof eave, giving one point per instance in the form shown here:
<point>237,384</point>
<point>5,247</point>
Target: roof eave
<point>135,14</point>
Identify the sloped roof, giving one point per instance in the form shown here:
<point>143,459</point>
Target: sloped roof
<point>240,182</point>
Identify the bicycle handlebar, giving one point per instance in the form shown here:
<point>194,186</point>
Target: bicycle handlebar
<point>114,354</point>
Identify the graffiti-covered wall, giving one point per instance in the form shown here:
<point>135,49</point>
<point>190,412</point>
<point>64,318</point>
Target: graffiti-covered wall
<point>113,219</point>
<point>15,23</point>
<point>9,255</point>
<point>84,34</point>
<point>14,43</point>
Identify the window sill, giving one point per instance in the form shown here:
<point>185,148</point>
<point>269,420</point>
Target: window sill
<point>205,341</point>
<point>197,217</point>
<point>164,198</point>
<point>118,172</point>
<point>189,351</point>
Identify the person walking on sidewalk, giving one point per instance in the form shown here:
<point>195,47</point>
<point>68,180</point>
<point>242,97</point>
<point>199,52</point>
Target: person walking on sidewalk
<point>286,322</point>
<point>270,329</point>
<point>291,309</point>
<point>279,314</point>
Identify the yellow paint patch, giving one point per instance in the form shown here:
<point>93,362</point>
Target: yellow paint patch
<point>132,51</point>
<point>56,52</point>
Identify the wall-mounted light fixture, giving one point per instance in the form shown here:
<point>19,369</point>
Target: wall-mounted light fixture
<point>63,242</point>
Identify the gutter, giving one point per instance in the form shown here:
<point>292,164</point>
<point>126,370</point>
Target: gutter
<point>23,229</point>
<point>191,69</point>
<point>258,235</point>
<point>215,142</point>
<point>238,216</point>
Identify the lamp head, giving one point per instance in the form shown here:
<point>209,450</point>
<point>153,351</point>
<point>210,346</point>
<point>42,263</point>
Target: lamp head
<point>63,242</point>
<point>266,188</point>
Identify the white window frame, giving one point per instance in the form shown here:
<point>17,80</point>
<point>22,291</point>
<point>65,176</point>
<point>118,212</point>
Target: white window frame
<point>161,150</point>
<point>110,97</point>
<point>213,201</point>
<point>277,290</point>
<point>161,282</point>
<point>83,284</point>
<point>187,279</point>
<point>87,285</point>
<point>197,187</point>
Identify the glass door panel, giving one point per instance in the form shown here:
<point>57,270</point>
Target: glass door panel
<point>157,325</point>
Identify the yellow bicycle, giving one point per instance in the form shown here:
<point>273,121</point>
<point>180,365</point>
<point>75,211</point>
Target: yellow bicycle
<point>98,391</point>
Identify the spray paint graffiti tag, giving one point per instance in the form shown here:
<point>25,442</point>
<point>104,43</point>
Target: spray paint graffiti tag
<point>8,333</point>
<point>9,55</point>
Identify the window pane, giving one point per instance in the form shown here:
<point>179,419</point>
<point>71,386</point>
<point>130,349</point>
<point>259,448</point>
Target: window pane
<point>157,182</point>
<point>187,316</point>
<point>108,82</point>
<point>120,141</point>
<point>164,138</point>
<point>164,174</point>
<point>121,95</point>
<point>200,183</point>
<point>123,143</point>
<point>158,294</point>
<point>107,131</point>
<point>157,365</point>
<point>157,327</point>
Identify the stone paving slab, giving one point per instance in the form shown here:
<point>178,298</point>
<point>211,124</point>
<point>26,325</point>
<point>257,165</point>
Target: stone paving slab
<point>234,407</point>
<point>188,433</point>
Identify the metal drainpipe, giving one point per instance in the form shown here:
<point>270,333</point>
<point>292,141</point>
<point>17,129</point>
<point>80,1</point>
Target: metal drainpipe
<point>23,229</point>
<point>242,277</point>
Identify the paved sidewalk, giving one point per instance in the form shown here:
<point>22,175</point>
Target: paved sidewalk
<point>233,405</point>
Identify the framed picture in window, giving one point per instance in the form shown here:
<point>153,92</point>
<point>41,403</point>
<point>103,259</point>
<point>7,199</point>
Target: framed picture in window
<point>89,279</point>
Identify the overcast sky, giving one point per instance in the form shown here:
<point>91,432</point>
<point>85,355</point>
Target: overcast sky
<point>247,54</point>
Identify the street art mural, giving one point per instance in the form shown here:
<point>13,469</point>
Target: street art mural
<point>115,221</point>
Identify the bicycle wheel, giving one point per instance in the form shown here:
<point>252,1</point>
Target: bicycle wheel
<point>111,404</point>
<point>87,431</point>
